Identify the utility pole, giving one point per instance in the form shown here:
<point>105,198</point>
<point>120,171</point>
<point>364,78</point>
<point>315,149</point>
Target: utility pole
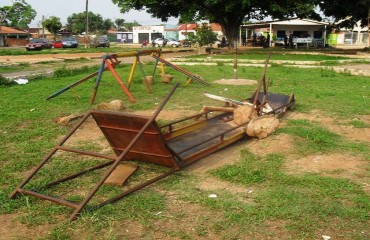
<point>43,28</point>
<point>87,25</point>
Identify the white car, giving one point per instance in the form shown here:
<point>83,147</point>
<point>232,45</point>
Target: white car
<point>169,42</point>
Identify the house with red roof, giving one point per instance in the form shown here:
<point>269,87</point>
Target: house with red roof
<point>12,37</point>
<point>189,29</point>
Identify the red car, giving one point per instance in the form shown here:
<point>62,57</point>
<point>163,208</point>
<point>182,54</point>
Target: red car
<point>38,44</point>
<point>57,44</point>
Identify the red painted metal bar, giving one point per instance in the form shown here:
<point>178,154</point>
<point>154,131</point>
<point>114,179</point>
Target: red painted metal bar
<point>122,155</point>
<point>118,79</point>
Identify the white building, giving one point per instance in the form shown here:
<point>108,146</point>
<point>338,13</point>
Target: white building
<point>299,28</point>
<point>148,33</point>
<point>355,36</point>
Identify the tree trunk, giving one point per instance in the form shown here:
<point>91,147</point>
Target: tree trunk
<point>231,31</point>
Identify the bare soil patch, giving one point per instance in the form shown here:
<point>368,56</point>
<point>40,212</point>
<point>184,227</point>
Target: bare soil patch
<point>234,81</point>
<point>333,165</point>
<point>340,127</point>
<point>11,228</point>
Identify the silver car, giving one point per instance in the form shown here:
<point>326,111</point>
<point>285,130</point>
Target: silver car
<point>69,42</point>
<point>169,42</point>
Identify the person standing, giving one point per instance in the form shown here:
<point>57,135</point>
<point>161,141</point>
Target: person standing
<point>285,41</point>
<point>244,40</point>
<point>254,40</point>
<point>291,40</point>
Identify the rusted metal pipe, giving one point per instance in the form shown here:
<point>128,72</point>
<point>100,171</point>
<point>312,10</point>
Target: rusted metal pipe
<point>122,155</point>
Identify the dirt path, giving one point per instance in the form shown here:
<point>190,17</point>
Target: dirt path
<point>37,58</point>
<point>57,60</point>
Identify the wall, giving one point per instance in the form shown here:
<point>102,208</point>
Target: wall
<point>124,37</point>
<point>144,32</point>
<point>14,41</point>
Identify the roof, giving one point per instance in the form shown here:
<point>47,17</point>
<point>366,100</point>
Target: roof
<point>191,26</point>
<point>188,27</point>
<point>293,21</point>
<point>9,30</point>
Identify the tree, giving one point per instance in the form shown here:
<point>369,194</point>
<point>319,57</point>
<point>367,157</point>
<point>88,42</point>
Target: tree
<point>52,24</point>
<point>228,13</point>
<point>19,15</point>
<point>347,12</point>
<point>130,25</point>
<point>120,24</point>
<point>76,23</point>
<point>204,35</point>
<point>107,24</point>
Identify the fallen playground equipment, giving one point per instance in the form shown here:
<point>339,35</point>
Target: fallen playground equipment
<point>110,61</point>
<point>174,145</point>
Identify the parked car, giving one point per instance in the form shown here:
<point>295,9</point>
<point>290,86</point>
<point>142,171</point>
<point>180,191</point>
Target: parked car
<point>101,41</point>
<point>57,44</point>
<point>170,42</point>
<point>38,44</point>
<point>69,42</point>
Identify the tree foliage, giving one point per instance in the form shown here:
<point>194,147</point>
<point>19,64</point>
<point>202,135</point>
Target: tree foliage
<point>107,24</point>
<point>19,15</point>
<point>204,35</point>
<point>347,12</point>
<point>52,24</point>
<point>120,24</point>
<point>130,25</point>
<point>228,13</point>
<point>76,23</point>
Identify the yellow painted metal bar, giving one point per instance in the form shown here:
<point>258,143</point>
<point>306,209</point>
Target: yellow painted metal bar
<point>162,69</point>
<point>186,129</point>
<point>132,73</point>
<point>188,81</point>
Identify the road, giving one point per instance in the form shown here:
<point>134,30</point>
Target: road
<point>57,60</point>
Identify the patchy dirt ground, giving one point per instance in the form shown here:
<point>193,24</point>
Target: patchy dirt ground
<point>333,165</point>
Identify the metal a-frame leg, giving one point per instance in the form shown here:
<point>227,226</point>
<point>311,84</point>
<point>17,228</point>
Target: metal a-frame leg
<point>44,161</point>
<point>121,156</point>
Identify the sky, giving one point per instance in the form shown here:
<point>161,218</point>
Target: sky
<point>65,8</point>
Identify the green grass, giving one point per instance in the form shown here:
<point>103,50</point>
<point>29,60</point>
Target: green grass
<point>275,55</point>
<point>303,206</point>
<point>306,203</point>
<point>312,138</point>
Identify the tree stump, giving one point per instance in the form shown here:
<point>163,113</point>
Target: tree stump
<point>263,126</point>
<point>244,114</point>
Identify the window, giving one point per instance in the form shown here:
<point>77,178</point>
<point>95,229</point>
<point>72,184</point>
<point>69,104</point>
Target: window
<point>280,34</point>
<point>300,34</point>
<point>317,34</point>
